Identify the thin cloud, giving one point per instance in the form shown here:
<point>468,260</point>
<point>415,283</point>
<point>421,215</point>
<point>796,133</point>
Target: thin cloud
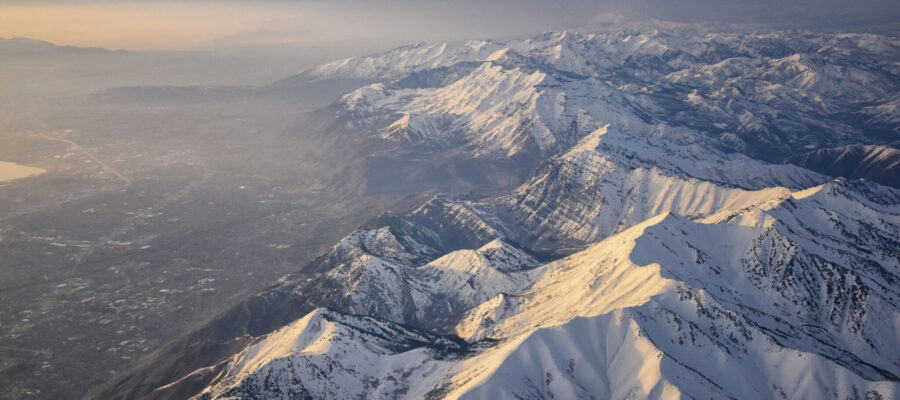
<point>151,24</point>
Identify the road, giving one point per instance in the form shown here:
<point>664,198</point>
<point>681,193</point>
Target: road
<point>91,155</point>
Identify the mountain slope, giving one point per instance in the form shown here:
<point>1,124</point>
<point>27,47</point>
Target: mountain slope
<point>877,163</point>
<point>359,355</point>
<point>611,181</point>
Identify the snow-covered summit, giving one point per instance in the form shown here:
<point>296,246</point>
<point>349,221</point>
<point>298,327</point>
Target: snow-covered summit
<point>402,60</point>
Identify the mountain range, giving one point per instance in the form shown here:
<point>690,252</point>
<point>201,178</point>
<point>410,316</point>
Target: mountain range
<point>644,213</point>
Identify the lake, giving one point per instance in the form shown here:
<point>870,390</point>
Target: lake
<point>10,171</point>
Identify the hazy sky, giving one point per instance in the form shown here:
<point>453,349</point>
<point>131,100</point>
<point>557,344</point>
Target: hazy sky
<point>148,24</point>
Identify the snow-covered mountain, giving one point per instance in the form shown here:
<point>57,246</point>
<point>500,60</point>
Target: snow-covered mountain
<point>769,95</point>
<point>653,251</point>
<point>784,292</point>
